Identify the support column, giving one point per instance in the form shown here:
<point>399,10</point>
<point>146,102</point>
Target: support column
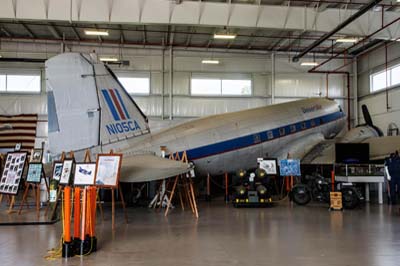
<point>162,83</point>
<point>170,81</point>
<point>272,78</point>
<point>355,92</point>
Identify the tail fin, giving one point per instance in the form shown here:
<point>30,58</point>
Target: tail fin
<point>87,105</point>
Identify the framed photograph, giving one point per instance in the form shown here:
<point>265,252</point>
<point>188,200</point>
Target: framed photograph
<point>290,167</point>
<point>84,174</point>
<point>108,167</point>
<point>12,172</point>
<point>34,172</point>
<point>66,171</point>
<point>57,170</point>
<point>269,166</point>
<point>36,156</point>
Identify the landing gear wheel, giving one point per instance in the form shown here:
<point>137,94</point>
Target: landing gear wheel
<point>350,199</point>
<point>301,196</point>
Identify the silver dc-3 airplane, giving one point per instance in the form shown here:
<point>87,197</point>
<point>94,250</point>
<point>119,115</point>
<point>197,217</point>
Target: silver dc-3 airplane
<point>88,108</point>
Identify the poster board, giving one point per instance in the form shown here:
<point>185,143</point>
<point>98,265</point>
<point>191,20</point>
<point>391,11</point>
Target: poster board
<point>84,174</point>
<point>66,172</point>
<point>34,172</point>
<point>290,167</point>
<point>269,165</point>
<point>36,156</point>
<point>108,168</point>
<point>57,170</point>
<point>12,172</point>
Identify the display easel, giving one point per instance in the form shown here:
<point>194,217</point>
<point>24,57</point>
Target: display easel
<point>113,190</point>
<point>60,187</point>
<point>36,189</point>
<point>185,191</point>
<point>12,198</point>
<point>87,159</point>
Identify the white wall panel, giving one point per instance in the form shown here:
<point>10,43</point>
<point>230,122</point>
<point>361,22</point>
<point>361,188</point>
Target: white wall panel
<point>59,9</point>
<point>125,11</point>
<point>31,9</point>
<point>214,14</point>
<point>100,13</point>
<point>156,11</point>
<point>186,13</point>
<point>245,15</point>
<point>7,9</point>
<point>262,85</point>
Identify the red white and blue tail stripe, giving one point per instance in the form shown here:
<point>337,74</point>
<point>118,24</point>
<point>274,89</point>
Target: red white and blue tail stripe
<point>115,104</point>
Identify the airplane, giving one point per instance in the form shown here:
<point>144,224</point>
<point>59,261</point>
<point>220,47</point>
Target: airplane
<point>88,108</point>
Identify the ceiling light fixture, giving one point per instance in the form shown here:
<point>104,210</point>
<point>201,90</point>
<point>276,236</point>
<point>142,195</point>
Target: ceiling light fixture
<point>96,32</point>
<point>224,36</point>
<point>309,64</point>
<point>210,61</point>
<point>347,40</point>
<point>109,59</point>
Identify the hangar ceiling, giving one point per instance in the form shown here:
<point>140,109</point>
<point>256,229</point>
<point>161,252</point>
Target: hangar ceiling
<point>259,25</point>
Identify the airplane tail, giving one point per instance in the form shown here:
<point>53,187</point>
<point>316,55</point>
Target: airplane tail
<point>87,105</point>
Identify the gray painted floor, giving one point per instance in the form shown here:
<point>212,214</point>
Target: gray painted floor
<point>283,235</point>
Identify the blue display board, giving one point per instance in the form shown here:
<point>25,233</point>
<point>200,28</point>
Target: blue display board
<point>290,167</point>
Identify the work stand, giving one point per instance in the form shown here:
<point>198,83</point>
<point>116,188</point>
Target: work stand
<point>36,189</point>
<point>180,185</point>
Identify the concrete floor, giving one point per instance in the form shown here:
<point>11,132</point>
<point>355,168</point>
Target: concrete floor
<point>223,235</point>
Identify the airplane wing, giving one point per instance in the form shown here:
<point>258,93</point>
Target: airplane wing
<point>144,168</point>
<point>382,147</point>
<point>147,167</point>
<point>379,149</point>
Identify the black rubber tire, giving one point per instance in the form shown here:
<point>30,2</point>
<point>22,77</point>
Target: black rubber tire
<point>301,196</point>
<point>350,198</point>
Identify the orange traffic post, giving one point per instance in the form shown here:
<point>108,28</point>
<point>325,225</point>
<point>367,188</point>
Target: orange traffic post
<point>287,183</point>
<point>83,248</point>
<point>68,247</point>
<point>92,232</point>
<point>77,213</point>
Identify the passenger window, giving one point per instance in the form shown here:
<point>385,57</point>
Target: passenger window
<point>282,131</point>
<point>292,128</point>
<point>313,123</point>
<point>303,125</point>
<point>270,135</point>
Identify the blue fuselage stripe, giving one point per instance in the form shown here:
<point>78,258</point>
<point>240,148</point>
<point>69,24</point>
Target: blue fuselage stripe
<point>260,137</point>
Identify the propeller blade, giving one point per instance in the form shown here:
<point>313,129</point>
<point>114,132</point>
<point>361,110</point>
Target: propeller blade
<point>366,115</point>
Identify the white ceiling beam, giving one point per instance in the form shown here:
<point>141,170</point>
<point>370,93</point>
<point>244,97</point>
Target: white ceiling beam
<point>198,13</point>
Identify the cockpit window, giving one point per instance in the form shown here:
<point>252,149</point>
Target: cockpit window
<point>52,113</point>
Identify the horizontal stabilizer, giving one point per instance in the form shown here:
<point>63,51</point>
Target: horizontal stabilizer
<point>382,147</point>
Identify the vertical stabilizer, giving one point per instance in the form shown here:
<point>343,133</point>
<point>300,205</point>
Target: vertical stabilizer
<point>87,106</point>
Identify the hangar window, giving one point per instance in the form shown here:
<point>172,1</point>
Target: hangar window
<point>20,83</point>
<point>224,85</point>
<point>135,85</point>
<point>385,79</point>
<point>282,131</point>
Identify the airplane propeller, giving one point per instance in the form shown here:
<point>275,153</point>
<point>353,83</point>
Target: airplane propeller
<point>368,120</point>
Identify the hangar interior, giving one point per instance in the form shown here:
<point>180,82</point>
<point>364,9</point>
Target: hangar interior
<point>280,52</point>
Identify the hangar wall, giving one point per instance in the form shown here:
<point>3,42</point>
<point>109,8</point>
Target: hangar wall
<point>384,105</point>
<point>291,81</point>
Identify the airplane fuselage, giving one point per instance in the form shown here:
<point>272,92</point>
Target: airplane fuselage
<point>232,141</point>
